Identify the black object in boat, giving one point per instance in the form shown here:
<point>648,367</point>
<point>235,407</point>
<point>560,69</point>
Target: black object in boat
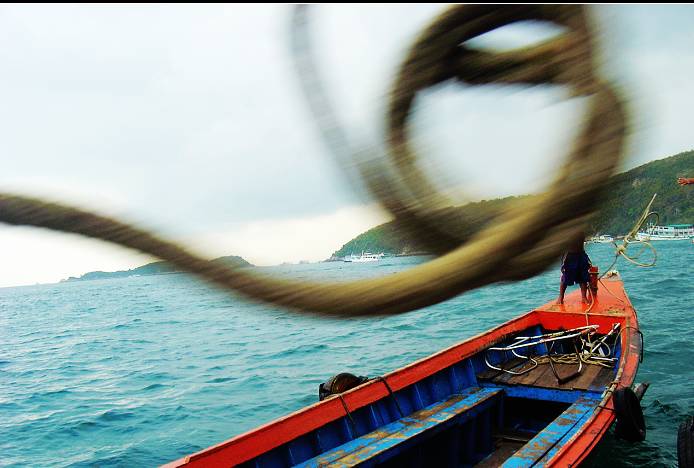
<point>685,443</point>
<point>338,384</point>
<point>630,423</point>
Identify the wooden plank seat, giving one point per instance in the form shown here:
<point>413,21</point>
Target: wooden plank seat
<point>551,437</point>
<point>388,440</point>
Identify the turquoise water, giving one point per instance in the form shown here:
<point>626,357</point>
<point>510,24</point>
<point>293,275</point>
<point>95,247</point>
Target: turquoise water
<point>141,371</point>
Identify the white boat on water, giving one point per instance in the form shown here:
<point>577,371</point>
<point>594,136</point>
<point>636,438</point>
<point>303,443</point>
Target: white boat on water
<point>669,232</point>
<point>364,257</point>
<point>602,239</point>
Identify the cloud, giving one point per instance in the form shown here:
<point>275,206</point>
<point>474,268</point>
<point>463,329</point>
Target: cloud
<point>190,119</point>
<point>32,255</point>
<point>29,256</point>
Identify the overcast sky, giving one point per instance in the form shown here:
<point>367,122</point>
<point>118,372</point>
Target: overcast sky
<point>189,120</point>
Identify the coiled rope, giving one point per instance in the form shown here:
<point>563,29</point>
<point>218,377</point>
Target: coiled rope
<point>621,250</point>
<point>590,353</point>
<point>631,238</point>
<point>521,243</point>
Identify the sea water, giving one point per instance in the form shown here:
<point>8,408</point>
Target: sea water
<point>141,371</point>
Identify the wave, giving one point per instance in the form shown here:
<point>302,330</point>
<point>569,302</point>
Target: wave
<point>115,415</point>
<point>220,380</point>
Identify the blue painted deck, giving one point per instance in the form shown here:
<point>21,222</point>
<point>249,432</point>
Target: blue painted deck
<point>549,440</point>
<point>381,445</point>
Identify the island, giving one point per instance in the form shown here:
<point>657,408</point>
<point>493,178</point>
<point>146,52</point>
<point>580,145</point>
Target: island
<point>624,198</point>
<point>155,268</point>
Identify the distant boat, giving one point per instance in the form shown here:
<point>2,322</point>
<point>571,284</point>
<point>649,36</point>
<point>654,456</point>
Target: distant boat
<point>364,257</point>
<point>602,239</point>
<point>669,232</point>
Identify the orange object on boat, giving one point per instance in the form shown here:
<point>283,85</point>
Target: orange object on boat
<point>593,279</point>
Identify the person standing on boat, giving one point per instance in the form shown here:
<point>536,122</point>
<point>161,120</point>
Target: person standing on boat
<point>574,269</point>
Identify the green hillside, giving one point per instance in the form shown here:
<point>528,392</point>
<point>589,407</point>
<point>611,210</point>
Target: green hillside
<point>390,238</point>
<point>155,268</point>
<point>624,201</point>
<point>632,190</point>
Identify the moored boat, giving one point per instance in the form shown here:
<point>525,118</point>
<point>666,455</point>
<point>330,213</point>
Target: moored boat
<point>669,232</point>
<point>364,257</point>
<point>541,389</point>
<point>601,239</point>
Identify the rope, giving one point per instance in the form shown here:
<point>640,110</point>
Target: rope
<point>588,353</point>
<point>630,238</point>
<point>611,293</point>
<point>390,394</point>
<point>573,359</point>
<point>521,243</point>
<point>621,250</point>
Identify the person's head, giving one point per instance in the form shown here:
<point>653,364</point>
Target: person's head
<point>576,244</point>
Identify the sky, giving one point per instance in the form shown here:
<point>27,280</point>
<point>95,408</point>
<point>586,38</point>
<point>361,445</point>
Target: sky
<point>189,120</point>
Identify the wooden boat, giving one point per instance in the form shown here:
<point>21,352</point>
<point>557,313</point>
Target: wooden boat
<point>481,402</point>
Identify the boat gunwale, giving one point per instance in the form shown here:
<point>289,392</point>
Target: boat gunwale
<point>579,446</point>
<point>396,379</point>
